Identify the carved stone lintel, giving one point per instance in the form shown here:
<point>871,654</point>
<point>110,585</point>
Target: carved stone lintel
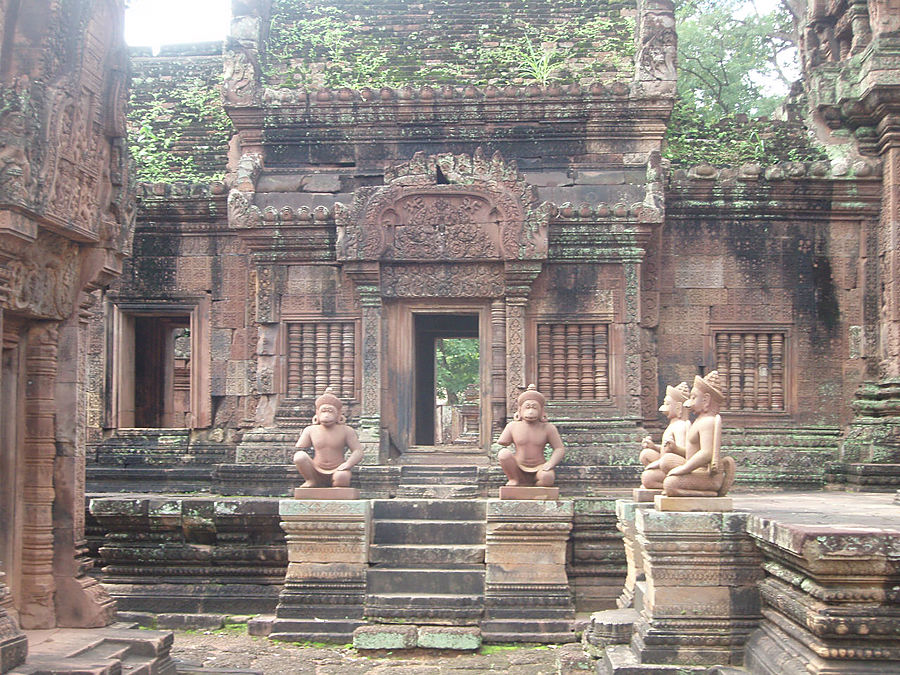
<point>445,207</point>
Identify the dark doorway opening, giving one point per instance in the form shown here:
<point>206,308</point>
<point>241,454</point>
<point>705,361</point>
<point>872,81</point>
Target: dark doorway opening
<point>162,371</point>
<point>430,330</point>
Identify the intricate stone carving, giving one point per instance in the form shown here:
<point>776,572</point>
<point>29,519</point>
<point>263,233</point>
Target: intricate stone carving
<point>451,207</point>
<point>42,281</point>
<point>657,42</point>
<point>443,281</point>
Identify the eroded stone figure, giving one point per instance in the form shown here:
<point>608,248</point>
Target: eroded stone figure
<point>655,458</point>
<point>530,433</point>
<point>329,437</point>
<point>703,472</point>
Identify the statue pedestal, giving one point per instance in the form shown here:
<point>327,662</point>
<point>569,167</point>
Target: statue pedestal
<point>702,504</point>
<point>526,590</point>
<point>326,493</point>
<point>325,585</point>
<point>13,643</point>
<point>634,557</point>
<point>701,602</point>
<point>644,495</point>
<point>529,492</point>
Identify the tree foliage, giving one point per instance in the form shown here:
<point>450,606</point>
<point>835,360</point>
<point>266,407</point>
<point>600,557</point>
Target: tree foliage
<point>730,55</point>
<point>456,366</point>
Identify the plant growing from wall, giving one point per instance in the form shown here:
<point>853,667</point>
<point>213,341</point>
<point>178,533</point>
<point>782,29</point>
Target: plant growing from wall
<point>160,122</point>
<point>326,46</point>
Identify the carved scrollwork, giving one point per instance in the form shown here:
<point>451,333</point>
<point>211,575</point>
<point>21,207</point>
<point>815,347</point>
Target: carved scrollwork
<point>445,207</point>
<point>448,281</point>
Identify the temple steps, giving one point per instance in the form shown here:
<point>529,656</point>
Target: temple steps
<point>425,554</point>
<point>428,560</point>
<point>105,651</point>
<point>438,481</point>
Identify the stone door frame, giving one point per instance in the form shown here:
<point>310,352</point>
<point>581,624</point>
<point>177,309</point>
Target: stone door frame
<point>398,394</point>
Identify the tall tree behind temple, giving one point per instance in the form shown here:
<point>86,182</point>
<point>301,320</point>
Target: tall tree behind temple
<point>731,56</point>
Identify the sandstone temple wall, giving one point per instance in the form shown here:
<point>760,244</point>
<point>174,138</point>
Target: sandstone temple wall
<point>65,225</point>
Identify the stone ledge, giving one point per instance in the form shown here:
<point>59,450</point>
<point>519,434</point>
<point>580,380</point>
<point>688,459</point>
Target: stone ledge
<point>698,504</point>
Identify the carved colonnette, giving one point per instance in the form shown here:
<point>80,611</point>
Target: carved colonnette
<point>328,554</point>
<point>830,599</point>
<point>700,603</point>
<point>526,589</point>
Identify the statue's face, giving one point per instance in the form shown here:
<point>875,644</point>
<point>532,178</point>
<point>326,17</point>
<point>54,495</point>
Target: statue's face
<point>698,402</point>
<point>327,414</point>
<point>667,406</point>
<point>530,411</point>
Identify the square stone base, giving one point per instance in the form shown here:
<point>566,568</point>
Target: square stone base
<point>711,504</point>
<point>643,495</point>
<point>326,493</point>
<point>522,492</point>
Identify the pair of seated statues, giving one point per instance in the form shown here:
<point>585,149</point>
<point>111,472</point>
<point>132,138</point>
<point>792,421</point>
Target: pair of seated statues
<point>330,437</point>
<point>687,463</point>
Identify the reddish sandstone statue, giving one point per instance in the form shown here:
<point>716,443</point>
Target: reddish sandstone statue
<point>530,433</point>
<point>674,439</point>
<point>330,437</point>
<point>703,472</point>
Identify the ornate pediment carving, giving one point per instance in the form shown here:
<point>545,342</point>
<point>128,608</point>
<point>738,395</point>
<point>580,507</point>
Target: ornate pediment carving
<point>448,208</point>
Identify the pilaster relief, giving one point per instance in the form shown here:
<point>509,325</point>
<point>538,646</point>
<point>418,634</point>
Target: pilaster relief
<point>43,279</point>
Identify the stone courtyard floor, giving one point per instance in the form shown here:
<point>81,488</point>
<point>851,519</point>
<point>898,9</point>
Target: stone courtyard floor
<point>230,650</point>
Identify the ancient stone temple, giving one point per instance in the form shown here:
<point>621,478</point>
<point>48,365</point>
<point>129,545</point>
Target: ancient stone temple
<point>360,222</point>
<point>340,189</point>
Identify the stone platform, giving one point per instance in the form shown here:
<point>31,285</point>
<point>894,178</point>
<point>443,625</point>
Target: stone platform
<point>98,651</point>
<point>811,583</point>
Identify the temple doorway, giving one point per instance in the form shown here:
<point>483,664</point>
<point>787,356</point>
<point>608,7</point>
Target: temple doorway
<point>447,380</point>
<point>430,348</point>
<point>11,459</point>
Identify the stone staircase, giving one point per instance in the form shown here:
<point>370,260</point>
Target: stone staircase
<point>438,482</point>
<point>427,562</point>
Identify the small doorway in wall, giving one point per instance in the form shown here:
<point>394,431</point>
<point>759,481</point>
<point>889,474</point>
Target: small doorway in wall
<point>447,380</point>
<point>12,421</point>
<point>160,374</point>
<point>162,371</point>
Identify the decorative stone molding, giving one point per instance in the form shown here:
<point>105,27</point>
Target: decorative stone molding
<point>328,555</point>
<point>829,599</point>
<point>445,207</point>
<point>700,604</point>
<point>526,589</point>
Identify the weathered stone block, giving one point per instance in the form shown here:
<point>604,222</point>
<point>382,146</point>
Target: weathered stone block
<point>463,638</point>
<point>385,636</point>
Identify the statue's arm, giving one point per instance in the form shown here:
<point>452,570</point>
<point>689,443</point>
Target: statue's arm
<point>305,440</point>
<point>356,450</point>
<point>506,437</point>
<point>554,441</point>
<point>702,458</point>
<point>648,444</point>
